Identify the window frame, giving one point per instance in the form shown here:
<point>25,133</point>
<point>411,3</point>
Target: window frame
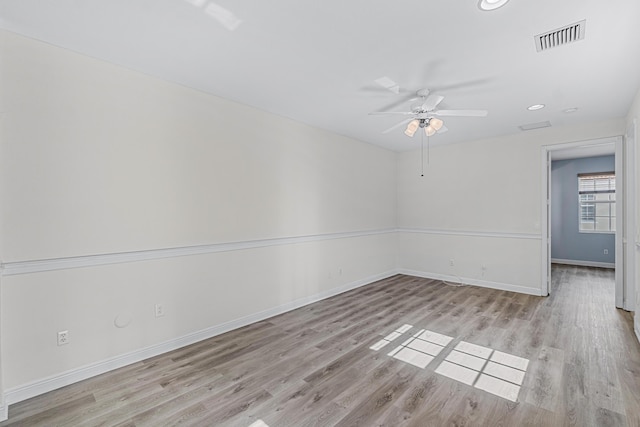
<point>611,202</point>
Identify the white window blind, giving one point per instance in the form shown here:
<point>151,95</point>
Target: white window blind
<point>597,202</point>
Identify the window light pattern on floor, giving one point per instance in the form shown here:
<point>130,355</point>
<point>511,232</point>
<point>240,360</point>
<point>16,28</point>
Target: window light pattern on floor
<point>490,370</point>
<point>421,348</point>
<point>392,336</point>
<point>481,367</point>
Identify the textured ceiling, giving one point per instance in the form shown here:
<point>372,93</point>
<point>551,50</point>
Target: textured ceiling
<point>317,61</point>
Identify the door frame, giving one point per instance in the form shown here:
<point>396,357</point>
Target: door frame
<point>631,211</point>
<point>545,209</point>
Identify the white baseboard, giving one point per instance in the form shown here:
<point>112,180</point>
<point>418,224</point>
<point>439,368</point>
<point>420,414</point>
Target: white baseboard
<point>4,412</point>
<point>54,382</point>
<point>636,325</point>
<point>473,282</point>
<point>583,263</point>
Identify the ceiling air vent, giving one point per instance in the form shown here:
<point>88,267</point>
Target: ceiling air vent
<point>532,126</point>
<point>561,36</point>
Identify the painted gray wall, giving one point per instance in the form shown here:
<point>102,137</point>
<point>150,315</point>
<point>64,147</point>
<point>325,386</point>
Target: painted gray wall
<point>567,242</point>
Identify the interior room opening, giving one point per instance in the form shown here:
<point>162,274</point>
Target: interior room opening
<point>583,219</point>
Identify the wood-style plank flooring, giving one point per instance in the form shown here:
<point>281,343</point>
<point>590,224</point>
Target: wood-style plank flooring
<point>315,366</point>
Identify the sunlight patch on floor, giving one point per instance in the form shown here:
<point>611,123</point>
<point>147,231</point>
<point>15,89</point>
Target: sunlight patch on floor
<point>392,336</point>
<point>484,368</point>
<point>421,348</point>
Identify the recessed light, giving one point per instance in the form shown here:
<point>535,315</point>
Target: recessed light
<point>491,4</point>
<point>535,107</point>
<point>570,110</point>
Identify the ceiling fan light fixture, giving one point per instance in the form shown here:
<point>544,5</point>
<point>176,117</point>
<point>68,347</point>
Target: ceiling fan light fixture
<point>412,127</point>
<point>435,123</point>
<point>491,4</point>
<point>430,131</point>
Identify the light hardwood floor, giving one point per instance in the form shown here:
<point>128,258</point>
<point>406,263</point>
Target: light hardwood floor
<point>315,366</point>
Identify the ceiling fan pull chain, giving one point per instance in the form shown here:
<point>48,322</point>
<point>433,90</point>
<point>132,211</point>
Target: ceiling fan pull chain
<point>422,154</point>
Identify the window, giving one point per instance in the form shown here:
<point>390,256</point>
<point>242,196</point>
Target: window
<point>597,201</point>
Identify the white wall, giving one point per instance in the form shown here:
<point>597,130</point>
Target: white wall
<point>101,165</point>
<point>478,204</point>
<point>109,160</point>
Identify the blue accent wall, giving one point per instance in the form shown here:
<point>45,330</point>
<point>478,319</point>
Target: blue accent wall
<point>567,242</point>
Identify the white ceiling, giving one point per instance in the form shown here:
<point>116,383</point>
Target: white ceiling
<point>317,61</point>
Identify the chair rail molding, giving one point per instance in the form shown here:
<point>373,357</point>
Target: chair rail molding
<point>37,266</point>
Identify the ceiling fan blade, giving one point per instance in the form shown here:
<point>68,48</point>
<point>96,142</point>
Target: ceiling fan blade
<point>380,113</point>
<point>402,123</point>
<point>388,84</point>
<point>443,129</point>
<point>461,113</point>
<point>432,102</point>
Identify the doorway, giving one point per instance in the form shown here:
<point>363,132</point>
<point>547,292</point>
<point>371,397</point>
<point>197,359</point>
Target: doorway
<point>600,148</point>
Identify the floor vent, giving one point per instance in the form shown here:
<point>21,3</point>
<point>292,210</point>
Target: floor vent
<point>561,36</point>
<point>532,126</point>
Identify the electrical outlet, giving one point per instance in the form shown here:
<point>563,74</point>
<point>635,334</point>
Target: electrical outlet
<point>63,337</point>
<point>159,310</point>
<point>606,251</point>
<point>451,263</point>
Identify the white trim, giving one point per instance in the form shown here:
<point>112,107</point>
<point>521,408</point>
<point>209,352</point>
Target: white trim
<point>631,207</point>
<point>545,223</point>
<point>582,143</point>
<point>4,412</point>
<point>473,282</point>
<point>54,382</point>
<point>636,327</point>
<point>621,225</point>
<point>583,263</point>
<point>37,266</point>
<point>468,233</point>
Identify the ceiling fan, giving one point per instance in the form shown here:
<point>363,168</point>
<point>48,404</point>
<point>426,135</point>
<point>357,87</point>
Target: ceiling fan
<point>425,115</point>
